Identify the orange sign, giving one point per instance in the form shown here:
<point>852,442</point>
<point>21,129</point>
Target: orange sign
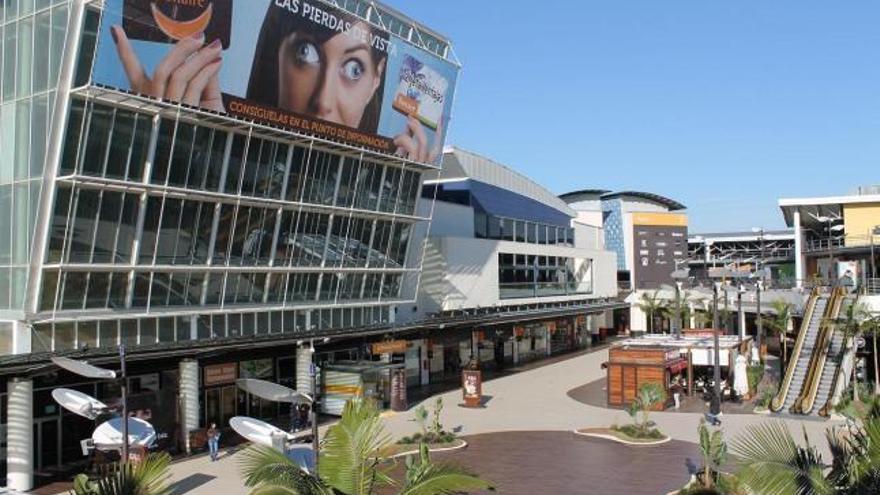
<point>551,325</point>
<point>519,331</point>
<point>389,347</point>
<point>219,374</point>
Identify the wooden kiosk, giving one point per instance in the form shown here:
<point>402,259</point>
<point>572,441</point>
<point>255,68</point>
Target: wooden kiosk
<point>630,367</point>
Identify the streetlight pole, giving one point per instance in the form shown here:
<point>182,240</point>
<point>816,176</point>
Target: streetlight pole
<point>726,312</point>
<point>740,319</point>
<point>717,360</point>
<point>678,322</point>
<point>760,319</point>
<point>124,390</point>
<point>313,374</point>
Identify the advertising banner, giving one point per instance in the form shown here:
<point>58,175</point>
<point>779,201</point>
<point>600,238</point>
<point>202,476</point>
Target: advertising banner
<point>302,65</point>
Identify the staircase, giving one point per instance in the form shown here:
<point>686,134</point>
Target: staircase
<point>832,365</point>
<point>801,365</point>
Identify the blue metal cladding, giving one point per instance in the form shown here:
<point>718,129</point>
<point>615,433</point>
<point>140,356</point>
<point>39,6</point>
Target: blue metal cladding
<point>613,222</point>
<point>500,202</point>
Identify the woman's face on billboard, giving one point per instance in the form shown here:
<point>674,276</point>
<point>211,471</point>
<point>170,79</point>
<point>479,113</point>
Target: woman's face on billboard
<point>333,80</point>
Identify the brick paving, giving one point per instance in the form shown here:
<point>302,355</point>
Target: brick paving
<point>562,463</point>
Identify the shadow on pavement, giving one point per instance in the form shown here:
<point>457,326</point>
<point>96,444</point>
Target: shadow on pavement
<point>190,483</point>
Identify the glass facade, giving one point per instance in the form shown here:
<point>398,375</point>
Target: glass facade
<point>514,230</point>
<point>528,275</point>
<point>164,227</point>
<point>32,39</point>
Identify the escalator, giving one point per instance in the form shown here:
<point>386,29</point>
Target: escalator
<point>827,359</point>
<point>839,365</point>
<point>798,364</point>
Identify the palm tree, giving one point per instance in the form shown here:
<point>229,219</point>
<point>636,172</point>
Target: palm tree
<point>651,305</point>
<point>772,463</point>
<point>679,307</point>
<point>354,461</point>
<point>851,324</point>
<point>714,451</point>
<point>779,323</point>
<point>649,395</point>
<point>148,477</point>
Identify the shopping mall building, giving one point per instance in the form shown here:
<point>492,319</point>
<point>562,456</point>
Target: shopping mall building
<point>212,246</point>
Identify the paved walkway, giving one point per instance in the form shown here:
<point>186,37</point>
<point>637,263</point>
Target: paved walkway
<point>532,401</point>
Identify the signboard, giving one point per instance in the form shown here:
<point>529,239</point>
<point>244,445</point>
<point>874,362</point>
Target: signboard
<point>472,387</point>
<point>389,347</point>
<point>302,65</point>
<point>398,390</point>
<point>220,374</point>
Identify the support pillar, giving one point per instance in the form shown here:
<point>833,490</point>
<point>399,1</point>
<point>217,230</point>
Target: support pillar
<point>798,250</point>
<point>188,394</point>
<point>303,364</point>
<point>20,435</point>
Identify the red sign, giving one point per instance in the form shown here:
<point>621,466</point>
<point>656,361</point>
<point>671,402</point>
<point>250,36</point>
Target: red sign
<point>219,374</point>
<point>472,387</point>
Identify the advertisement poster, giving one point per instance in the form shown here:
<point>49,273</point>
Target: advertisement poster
<point>302,65</point>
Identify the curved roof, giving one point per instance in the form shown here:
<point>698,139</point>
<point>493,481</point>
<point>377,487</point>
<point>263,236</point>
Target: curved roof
<point>655,198</point>
<point>459,164</point>
<point>583,195</point>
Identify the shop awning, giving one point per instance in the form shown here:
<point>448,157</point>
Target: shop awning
<point>677,365</point>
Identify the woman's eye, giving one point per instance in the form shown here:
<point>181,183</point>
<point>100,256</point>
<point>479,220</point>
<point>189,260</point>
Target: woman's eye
<point>353,70</point>
<point>307,53</point>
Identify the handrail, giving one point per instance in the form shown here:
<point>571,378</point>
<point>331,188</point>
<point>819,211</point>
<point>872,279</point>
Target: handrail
<point>778,401</point>
<point>841,354</point>
<point>804,403</point>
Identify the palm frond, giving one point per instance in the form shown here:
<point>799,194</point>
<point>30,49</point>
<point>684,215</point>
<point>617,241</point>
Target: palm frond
<point>148,477</point>
<point>773,464</point>
<point>353,449</point>
<point>264,468</point>
<point>426,478</point>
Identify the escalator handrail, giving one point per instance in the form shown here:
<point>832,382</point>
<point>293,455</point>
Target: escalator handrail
<point>805,402</point>
<point>779,401</point>
<point>841,354</point>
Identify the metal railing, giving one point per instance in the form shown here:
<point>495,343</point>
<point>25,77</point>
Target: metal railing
<point>825,244</point>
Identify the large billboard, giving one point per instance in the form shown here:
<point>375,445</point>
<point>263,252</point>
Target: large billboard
<point>298,64</point>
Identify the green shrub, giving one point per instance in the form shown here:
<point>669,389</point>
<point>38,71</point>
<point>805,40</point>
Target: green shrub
<point>638,432</point>
<point>755,374</point>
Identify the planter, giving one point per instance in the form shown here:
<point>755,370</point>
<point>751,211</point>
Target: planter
<point>615,436</point>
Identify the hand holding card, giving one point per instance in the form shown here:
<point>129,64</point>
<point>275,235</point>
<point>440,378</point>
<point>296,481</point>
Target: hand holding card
<point>187,74</point>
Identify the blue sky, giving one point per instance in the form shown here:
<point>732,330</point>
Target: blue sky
<point>725,106</point>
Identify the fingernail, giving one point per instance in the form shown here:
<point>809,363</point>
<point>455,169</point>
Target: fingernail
<point>197,36</point>
<point>215,44</point>
<point>114,35</point>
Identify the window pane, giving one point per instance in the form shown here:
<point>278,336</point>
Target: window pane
<point>97,139</point>
<point>41,50</point>
<point>83,225</point>
<point>72,137</point>
<point>108,222</point>
<point>74,290</point>
<point>140,147</point>
<point>117,161</point>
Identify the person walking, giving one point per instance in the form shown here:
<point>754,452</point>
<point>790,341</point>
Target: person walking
<point>213,441</point>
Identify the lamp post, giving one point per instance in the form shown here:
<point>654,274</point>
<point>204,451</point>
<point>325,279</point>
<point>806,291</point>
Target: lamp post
<point>740,319</point>
<point>717,346</point>
<point>313,374</point>
<point>726,311</point>
<point>759,319</point>
<point>87,370</point>
<point>679,276</point>
<point>123,388</point>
